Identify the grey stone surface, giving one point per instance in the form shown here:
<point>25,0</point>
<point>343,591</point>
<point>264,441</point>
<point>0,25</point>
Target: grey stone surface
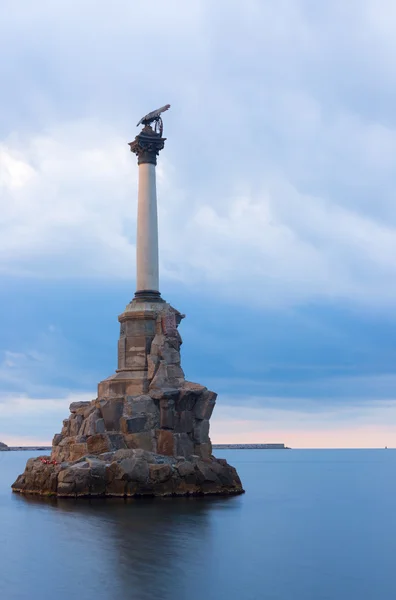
<point>136,424</point>
<point>75,423</point>
<point>100,426</point>
<point>184,445</point>
<point>167,412</point>
<point>127,473</point>
<point>201,431</point>
<point>184,421</point>
<point>204,405</point>
<point>112,412</point>
<point>75,406</point>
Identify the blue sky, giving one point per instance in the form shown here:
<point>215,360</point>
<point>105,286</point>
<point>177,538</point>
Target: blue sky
<point>276,208</point>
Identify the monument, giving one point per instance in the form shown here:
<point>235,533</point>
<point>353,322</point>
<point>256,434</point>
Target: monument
<point>147,432</point>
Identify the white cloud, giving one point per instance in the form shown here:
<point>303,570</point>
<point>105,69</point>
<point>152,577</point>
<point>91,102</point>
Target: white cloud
<point>21,405</point>
<point>277,179</point>
<point>70,212</point>
<point>60,191</point>
<point>27,421</point>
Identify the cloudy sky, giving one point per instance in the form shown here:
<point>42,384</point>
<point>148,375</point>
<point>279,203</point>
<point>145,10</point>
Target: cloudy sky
<point>276,207</point>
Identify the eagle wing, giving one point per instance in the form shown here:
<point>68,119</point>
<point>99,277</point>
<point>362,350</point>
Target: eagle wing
<point>152,115</point>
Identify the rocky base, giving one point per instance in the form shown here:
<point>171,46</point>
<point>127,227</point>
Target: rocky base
<point>128,473</point>
<point>172,422</point>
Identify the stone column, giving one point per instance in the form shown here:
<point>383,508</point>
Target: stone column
<point>142,318</point>
<point>147,146</point>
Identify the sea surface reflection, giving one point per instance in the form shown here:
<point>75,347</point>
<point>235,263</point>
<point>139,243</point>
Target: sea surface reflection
<point>312,525</point>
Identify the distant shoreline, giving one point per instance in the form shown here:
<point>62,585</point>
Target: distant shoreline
<point>30,448</point>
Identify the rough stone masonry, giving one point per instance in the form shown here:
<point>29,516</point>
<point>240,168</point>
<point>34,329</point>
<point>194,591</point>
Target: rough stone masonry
<point>147,432</point>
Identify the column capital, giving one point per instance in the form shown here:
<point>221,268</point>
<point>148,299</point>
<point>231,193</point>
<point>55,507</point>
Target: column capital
<point>147,145</point>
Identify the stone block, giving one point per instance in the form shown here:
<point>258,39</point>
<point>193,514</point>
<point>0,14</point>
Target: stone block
<point>74,480</point>
<point>98,478</point>
<point>204,405</point>
<point>160,379</point>
<point>184,421</point>
<point>201,432</point>
<point>80,439</point>
<point>57,453</point>
<point>140,327</point>
<point>207,473</point>
<point>75,423</point>
<point>77,451</point>
<point>90,409</point>
<point>89,425</point>
<point>57,439</point>
<point>170,355</point>
<point>135,361</point>
<point>138,342</point>
<point>75,406</point>
<point>165,442</point>
<point>143,406</point>
<point>185,469</point>
<point>170,393</point>
<point>175,372</point>
<point>120,454</point>
<point>66,489</point>
<point>184,445</point>
<point>137,405</point>
<point>144,440</point>
<point>100,426</point>
<point>66,428</point>
<point>134,424</point>
<point>203,450</point>
<point>167,413</point>
<point>187,399</point>
<point>118,487</point>
<point>223,472</point>
<point>117,441</point>
<point>160,473</point>
<point>156,344</point>
<point>112,410</point>
<point>134,469</point>
<point>98,443</point>
<point>115,387</point>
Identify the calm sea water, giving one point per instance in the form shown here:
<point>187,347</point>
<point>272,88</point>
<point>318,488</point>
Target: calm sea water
<point>313,524</point>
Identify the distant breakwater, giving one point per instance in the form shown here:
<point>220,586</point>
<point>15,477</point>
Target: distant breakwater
<point>250,446</point>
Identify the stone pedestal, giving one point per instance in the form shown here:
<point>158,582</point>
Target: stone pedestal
<point>147,432</point>
<point>148,334</point>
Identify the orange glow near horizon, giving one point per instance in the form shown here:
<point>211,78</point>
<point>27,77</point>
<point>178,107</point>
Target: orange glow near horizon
<point>358,437</point>
<point>346,427</point>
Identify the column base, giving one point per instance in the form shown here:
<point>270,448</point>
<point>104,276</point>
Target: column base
<point>148,296</point>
